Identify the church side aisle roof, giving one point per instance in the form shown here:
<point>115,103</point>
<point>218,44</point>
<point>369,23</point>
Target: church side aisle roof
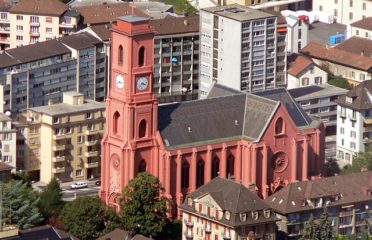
<point>231,117</point>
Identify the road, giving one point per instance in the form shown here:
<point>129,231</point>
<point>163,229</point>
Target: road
<point>69,194</point>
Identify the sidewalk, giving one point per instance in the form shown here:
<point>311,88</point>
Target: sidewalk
<point>40,185</point>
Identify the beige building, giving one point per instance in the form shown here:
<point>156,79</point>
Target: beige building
<point>32,21</point>
<point>63,140</point>
<point>345,11</point>
<point>7,141</point>
<point>362,28</point>
<point>225,209</point>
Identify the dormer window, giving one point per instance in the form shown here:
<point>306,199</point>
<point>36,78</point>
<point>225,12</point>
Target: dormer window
<point>267,213</point>
<point>243,217</point>
<point>227,215</point>
<point>349,99</point>
<point>255,215</point>
<point>189,202</point>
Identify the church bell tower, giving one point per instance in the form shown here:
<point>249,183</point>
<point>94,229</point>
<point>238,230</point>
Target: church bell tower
<point>129,144</point>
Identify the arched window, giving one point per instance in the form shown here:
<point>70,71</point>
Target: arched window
<point>279,126</point>
<point>142,129</point>
<point>230,165</point>
<point>115,122</point>
<point>200,173</point>
<point>120,55</point>
<point>142,166</point>
<point>141,56</point>
<point>185,175</point>
<point>215,167</point>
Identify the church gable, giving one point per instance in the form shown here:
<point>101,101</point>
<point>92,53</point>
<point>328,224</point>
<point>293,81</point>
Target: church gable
<point>208,201</point>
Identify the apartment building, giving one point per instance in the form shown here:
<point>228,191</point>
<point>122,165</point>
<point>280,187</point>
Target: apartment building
<point>4,25</point>
<point>8,137</point>
<point>238,49</point>
<point>176,70</point>
<point>362,28</point>
<point>346,60</point>
<point>33,21</point>
<point>319,102</point>
<point>5,172</point>
<point>65,139</point>
<point>345,11</point>
<point>36,74</point>
<point>225,209</point>
<point>347,198</point>
<point>297,35</point>
<point>354,122</point>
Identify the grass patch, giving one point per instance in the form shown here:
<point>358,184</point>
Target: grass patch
<point>181,6</point>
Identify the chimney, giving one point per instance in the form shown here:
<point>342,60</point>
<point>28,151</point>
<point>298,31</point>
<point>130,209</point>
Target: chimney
<point>185,22</point>
<point>362,53</point>
<point>50,102</point>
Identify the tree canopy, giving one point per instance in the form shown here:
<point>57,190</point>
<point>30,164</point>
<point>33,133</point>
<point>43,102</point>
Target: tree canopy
<point>143,207</point>
<point>362,162</point>
<point>51,199</point>
<point>19,205</point>
<point>318,231</point>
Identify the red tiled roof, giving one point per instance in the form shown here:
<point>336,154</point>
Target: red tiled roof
<point>3,4</point>
<point>365,23</point>
<point>106,13</point>
<point>40,7</point>
<point>176,25</point>
<point>357,45</point>
<point>299,65</point>
<point>5,167</point>
<point>338,56</point>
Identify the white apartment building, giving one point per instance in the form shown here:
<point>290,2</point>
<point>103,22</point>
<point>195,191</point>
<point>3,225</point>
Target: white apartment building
<point>354,122</point>
<point>362,28</point>
<point>8,138</point>
<point>238,48</point>
<point>297,33</point>
<point>32,21</point>
<point>345,11</point>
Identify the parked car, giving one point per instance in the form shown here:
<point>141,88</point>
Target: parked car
<point>98,183</point>
<point>79,185</point>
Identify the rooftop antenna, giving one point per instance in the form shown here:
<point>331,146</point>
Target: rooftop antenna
<point>132,7</point>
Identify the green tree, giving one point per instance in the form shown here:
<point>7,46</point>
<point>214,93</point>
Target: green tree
<point>51,199</point>
<point>22,176</point>
<point>331,167</point>
<point>309,232</point>
<point>334,80</point>
<point>362,162</point>
<point>20,205</point>
<point>324,229</point>
<point>143,206</point>
<point>84,217</point>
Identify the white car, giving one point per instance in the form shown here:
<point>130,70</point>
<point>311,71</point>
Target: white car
<point>79,185</point>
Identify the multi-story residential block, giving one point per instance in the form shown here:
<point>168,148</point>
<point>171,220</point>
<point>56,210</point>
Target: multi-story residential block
<point>303,72</point>
<point>33,21</point>
<point>319,101</point>
<point>4,25</point>
<point>225,209</point>
<point>8,138</point>
<point>238,48</point>
<point>354,122</point>
<point>176,70</point>
<point>34,75</point>
<point>345,11</point>
<point>65,139</point>
<point>297,34</point>
<point>343,61</point>
<point>347,198</point>
<point>276,5</point>
<point>362,28</point>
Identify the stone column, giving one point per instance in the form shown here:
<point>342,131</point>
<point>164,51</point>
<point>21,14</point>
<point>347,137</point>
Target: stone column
<point>132,167</point>
<point>193,171</point>
<point>167,175</point>
<point>223,163</point>
<point>208,166</point>
<point>264,171</point>
<point>238,166</point>
<point>254,165</point>
<point>305,159</point>
<point>179,195</point>
<point>294,161</point>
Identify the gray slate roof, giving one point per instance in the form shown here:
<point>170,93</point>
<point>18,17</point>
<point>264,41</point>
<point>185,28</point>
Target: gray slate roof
<point>233,197</point>
<point>64,108</point>
<point>361,95</point>
<point>80,41</point>
<point>215,119</point>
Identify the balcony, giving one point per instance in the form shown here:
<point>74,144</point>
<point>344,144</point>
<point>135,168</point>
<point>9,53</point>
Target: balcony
<point>59,137</point>
<point>4,20</point>
<point>352,117</point>
<point>226,235</point>
<point>346,213</point>
<point>93,131</point>
<point>368,121</point>
<point>4,40</point>
<point>366,140</point>
<point>59,147</point>
<point>341,114</point>
<point>189,223</point>
<point>35,34</point>
<point>59,159</point>
<point>91,154</point>
<point>207,228</point>
<point>91,143</point>
<point>188,234</point>
<point>5,30</point>
<point>66,25</point>
<point>59,170</point>
<point>34,24</point>
<point>91,165</point>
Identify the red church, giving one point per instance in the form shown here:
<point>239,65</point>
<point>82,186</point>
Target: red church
<point>263,140</point>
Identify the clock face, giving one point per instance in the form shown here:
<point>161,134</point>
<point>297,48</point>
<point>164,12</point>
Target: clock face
<point>119,81</point>
<point>142,83</point>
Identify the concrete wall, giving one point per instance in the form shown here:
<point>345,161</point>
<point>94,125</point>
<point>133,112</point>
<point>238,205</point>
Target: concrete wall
<point>296,82</point>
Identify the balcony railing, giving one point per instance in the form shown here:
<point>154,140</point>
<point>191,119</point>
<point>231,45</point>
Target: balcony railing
<point>189,223</point>
<point>91,165</point>
<point>226,235</point>
<point>91,154</point>
<point>59,136</point>
<point>188,234</point>
<point>59,170</point>
<point>34,24</point>
<point>91,143</point>
<point>207,228</point>
<point>59,159</point>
